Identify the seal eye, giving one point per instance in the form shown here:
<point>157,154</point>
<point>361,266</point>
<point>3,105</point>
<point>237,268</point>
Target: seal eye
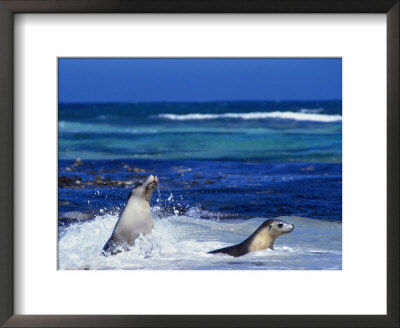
<point>280,225</point>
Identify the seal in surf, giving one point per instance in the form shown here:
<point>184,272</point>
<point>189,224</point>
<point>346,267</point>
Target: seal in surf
<point>263,238</point>
<point>135,219</point>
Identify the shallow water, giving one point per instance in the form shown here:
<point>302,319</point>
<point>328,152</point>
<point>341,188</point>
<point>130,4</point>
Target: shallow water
<point>307,131</point>
<point>182,242</point>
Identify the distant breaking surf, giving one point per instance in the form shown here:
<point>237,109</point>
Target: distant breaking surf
<point>302,116</point>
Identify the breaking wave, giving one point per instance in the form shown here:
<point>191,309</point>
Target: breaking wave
<point>298,116</point>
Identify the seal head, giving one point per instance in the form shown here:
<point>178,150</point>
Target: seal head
<point>263,238</point>
<point>135,218</point>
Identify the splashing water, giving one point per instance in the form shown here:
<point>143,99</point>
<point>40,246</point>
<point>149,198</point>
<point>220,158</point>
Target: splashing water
<point>182,242</point>
<point>158,191</point>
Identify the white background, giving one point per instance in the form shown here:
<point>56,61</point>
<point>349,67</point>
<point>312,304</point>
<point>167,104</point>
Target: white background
<point>360,288</point>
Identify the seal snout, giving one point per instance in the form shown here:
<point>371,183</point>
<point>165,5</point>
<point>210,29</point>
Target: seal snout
<point>152,181</point>
<point>288,228</point>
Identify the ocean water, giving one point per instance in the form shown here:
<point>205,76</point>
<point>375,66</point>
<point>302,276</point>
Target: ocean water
<point>240,131</point>
<point>224,168</point>
<point>182,242</point>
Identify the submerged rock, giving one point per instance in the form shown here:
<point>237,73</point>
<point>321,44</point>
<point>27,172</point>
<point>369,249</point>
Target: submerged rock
<point>64,181</point>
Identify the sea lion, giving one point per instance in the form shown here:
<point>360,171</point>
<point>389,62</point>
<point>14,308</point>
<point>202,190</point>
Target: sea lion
<point>263,238</point>
<point>135,219</point>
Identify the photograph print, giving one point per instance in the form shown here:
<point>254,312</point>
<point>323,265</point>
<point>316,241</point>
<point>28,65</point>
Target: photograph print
<point>199,164</point>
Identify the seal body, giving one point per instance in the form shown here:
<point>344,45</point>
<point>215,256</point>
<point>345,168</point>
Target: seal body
<point>135,219</point>
<point>263,238</point>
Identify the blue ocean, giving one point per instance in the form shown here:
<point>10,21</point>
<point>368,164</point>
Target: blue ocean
<point>223,167</point>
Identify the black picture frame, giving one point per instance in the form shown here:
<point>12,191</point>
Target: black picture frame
<point>10,7</point>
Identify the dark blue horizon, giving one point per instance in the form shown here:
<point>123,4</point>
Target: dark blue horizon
<point>152,80</point>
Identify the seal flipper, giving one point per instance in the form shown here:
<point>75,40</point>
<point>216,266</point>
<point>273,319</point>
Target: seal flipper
<point>112,248</point>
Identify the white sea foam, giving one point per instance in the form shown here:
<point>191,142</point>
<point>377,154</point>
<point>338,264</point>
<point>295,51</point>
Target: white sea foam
<point>182,242</point>
<point>298,116</point>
